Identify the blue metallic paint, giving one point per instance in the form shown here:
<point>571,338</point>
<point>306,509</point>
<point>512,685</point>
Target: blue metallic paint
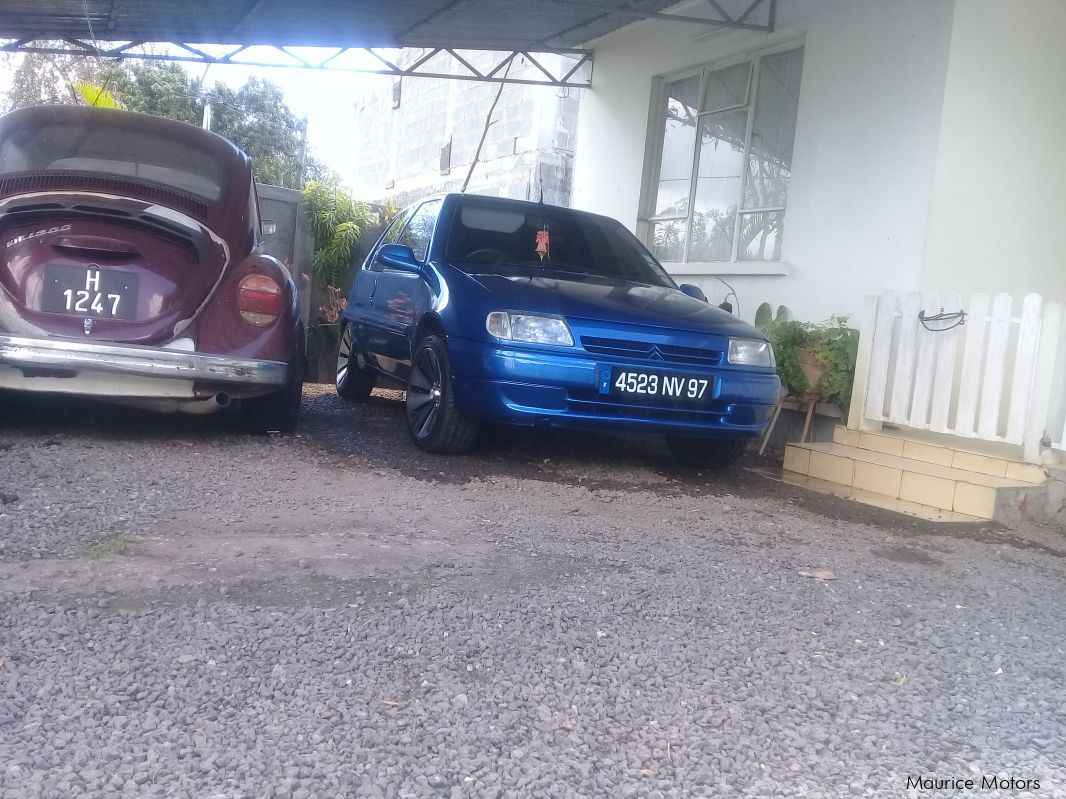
<point>529,384</point>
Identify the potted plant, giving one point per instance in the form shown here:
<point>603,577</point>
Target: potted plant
<point>816,360</point>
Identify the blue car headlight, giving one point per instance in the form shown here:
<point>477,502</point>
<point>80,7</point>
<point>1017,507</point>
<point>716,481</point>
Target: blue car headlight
<point>531,328</point>
<point>751,352</point>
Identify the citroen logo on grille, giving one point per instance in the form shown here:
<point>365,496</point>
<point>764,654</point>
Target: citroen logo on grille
<point>655,355</point>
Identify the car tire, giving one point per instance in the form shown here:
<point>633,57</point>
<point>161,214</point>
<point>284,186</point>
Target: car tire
<point>433,421</point>
<point>353,382</point>
<point>706,453</point>
<point>279,411</point>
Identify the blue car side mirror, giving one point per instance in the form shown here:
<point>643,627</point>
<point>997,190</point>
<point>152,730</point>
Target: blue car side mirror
<point>693,291</point>
<point>399,257</point>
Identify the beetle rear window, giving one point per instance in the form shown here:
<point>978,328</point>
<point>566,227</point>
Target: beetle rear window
<point>113,152</point>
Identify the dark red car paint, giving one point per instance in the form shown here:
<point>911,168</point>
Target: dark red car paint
<point>187,280</point>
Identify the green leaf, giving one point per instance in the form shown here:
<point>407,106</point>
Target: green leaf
<point>96,96</point>
<point>337,222</point>
<point>832,342</point>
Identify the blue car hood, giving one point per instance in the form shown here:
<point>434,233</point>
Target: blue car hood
<point>604,300</point>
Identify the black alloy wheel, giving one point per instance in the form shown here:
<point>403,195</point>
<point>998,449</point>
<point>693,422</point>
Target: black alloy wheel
<point>424,393</point>
<point>433,420</point>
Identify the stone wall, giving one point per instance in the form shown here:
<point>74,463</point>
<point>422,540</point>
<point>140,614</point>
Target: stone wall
<point>530,143</point>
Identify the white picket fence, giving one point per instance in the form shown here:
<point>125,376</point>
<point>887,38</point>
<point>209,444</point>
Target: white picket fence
<point>997,377</point>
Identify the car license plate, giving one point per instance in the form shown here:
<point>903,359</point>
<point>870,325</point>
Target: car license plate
<point>657,388</point>
<point>89,291</point>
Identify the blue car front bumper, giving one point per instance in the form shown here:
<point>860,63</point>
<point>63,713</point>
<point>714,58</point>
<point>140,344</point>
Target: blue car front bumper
<point>533,386</point>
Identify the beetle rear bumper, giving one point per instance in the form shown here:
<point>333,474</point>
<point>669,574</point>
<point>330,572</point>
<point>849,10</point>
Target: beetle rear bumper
<point>62,364</point>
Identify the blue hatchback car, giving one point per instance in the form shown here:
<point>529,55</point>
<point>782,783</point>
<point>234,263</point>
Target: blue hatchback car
<point>493,310</point>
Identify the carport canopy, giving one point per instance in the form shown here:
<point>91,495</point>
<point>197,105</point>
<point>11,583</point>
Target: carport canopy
<point>432,38</point>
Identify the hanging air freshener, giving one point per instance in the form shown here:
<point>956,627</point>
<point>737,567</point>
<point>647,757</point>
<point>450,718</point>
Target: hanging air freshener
<point>543,241</point>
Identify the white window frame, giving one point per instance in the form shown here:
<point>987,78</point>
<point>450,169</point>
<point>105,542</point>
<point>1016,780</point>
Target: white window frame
<point>653,163</point>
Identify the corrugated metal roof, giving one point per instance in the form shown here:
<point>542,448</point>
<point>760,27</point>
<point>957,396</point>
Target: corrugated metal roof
<point>470,24</point>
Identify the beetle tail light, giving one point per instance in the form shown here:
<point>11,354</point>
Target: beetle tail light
<point>260,300</point>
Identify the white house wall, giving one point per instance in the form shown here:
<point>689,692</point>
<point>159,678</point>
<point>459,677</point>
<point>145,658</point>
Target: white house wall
<point>865,150</point>
<point>997,216</point>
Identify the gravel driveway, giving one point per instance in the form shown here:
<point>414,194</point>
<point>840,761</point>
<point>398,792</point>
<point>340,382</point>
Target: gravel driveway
<point>189,612</point>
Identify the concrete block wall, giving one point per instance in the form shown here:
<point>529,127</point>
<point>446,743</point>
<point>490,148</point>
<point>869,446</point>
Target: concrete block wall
<point>518,176</point>
<point>530,142</point>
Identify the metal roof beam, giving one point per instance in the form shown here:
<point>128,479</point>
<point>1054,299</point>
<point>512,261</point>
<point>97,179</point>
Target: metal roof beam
<point>579,75</point>
<point>722,20</point>
<point>727,20</point>
<point>469,24</point>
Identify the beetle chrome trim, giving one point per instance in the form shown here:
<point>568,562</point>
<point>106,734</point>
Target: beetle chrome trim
<point>35,353</point>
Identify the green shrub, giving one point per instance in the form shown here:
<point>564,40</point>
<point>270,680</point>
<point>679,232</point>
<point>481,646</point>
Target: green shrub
<point>337,221</point>
<point>832,343</point>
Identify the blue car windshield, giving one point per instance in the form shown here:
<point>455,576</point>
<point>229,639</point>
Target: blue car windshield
<point>489,237</point>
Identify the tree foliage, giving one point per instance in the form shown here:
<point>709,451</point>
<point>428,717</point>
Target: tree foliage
<point>41,79</point>
<point>257,118</point>
<point>337,221</point>
<point>162,89</point>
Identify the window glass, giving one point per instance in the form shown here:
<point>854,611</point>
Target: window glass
<point>760,236</point>
<point>773,130</point>
<point>396,228</point>
<point>392,232</point>
<point>420,229</point>
<point>253,214</point>
<point>726,88</point>
<point>721,170</point>
<point>668,239</point>
<point>116,153</point>
<point>740,139</point>
<point>679,136</point>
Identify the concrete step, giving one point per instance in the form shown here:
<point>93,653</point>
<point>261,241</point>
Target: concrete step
<point>994,460</point>
<point>869,498</point>
<point>946,488</point>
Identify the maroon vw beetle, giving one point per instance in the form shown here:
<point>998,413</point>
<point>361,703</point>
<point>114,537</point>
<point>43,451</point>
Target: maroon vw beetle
<point>132,268</point>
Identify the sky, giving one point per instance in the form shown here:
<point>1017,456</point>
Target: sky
<point>325,98</point>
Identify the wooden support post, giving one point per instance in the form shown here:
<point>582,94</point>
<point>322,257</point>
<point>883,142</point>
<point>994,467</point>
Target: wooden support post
<point>860,386</point>
<point>1047,356</point>
<point>773,423</point>
<point>810,402</point>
